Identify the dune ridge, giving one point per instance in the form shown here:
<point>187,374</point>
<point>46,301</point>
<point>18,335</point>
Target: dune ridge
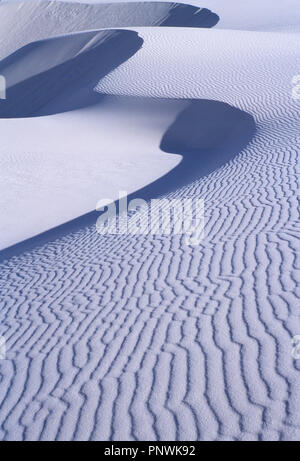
<point>124,337</point>
<point>29,21</point>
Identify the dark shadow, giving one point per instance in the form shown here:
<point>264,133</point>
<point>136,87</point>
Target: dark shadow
<point>69,85</point>
<point>190,16</point>
<point>64,86</point>
<point>206,133</point>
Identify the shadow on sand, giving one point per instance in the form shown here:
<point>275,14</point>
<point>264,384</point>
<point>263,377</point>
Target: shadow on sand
<point>190,16</point>
<point>206,133</point>
<point>70,84</point>
<point>57,75</point>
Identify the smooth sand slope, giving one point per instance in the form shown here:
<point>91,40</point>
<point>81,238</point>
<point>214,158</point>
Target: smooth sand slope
<point>78,145</point>
<point>32,20</point>
<point>233,14</point>
<point>143,337</point>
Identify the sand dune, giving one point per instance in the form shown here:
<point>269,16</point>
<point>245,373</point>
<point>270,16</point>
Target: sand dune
<point>239,15</point>
<point>126,337</point>
<point>59,75</point>
<point>32,20</point>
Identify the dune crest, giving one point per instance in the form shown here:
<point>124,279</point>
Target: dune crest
<point>32,20</point>
<point>146,337</point>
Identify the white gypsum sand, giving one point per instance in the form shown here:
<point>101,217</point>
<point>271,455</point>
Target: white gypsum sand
<point>142,337</point>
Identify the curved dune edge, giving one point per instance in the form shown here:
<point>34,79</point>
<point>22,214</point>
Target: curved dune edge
<point>28,21</point>
<point>75,154</point>
<point>61,84</point>
<point>199,150</point>
<point>141,337</point>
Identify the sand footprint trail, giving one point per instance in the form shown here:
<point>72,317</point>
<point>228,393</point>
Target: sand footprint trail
<point>141,337</point>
